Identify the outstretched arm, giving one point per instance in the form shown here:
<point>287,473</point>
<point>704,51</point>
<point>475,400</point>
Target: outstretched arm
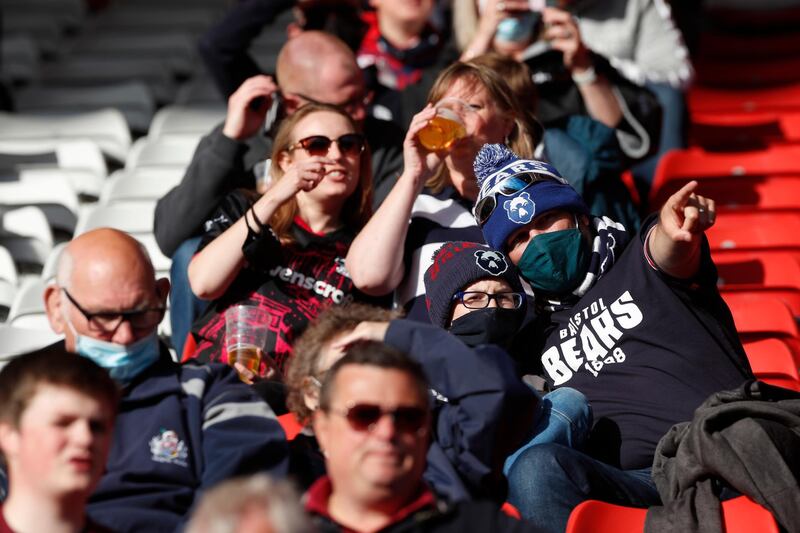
<point>375,258</point>
<point>675,241</point>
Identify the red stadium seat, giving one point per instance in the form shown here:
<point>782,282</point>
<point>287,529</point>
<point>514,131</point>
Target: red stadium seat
<point>728,131</point>
<point>773,361</point>
<point>774,193</point>
<point>759,317</point>
<point>741,74</point>
<point>775,99</point>
<point>739,515</point>
<point>756,231</point>
<point>776,275</point>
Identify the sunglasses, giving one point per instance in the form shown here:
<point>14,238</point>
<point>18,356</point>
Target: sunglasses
<point>486,205</point>
<point>350,144</point>
<point>365,416</point>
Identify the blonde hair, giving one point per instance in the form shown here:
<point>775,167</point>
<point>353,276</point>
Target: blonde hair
<point>525,134</point>
<point>357,208</point>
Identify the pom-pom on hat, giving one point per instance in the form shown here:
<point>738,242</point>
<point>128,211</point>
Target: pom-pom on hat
<point>459,264</point>
<point>504,205</point>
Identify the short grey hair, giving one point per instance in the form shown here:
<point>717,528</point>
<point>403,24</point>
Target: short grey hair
<point>222,508</point>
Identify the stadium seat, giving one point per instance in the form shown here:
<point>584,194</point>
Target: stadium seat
<point>778,99</point>
<point>8,282</point>
<point>132,98</point>
<point>27,310</point>
<point>756,231</point>
<point>68,14</point>
<point>199,90</point>
<point>743,131</point>
<point>51,263</point>
<point>774,361</point>
<point>43,132</point>
<point>740,73</point>
<point>19,59</point>
<point>143,184</point>
<point>739,515</point>
<point>776,274</point>
<point>43,29</point>
<point>52,194</point>
<point>179,121</point>
<point>26,234</point>
<point>15,340</point>
<point>169,152</point>
<point>759,317</point>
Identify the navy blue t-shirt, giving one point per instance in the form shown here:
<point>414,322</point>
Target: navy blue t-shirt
<point>646,349</point>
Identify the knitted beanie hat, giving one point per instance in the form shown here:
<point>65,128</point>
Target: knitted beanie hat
<point>457,265</point>
<point>494,165</point>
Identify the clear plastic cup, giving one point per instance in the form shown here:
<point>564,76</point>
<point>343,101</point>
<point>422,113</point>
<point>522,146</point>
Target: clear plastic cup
<point>446,127</point>
<point>246,328</point>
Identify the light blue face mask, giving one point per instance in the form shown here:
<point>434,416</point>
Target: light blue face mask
<point>516,29</point>
<point>123,361</point>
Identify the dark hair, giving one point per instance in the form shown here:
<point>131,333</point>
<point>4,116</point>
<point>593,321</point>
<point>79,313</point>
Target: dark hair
<point>375,354</point>
<point>304,362</point>
<point>20,378</point>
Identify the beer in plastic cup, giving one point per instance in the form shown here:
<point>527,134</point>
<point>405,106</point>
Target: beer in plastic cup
<point>445,128</point>
<point>246,329</point>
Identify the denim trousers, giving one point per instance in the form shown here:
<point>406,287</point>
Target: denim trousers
<point>185,307</point>
<point>548,481</point>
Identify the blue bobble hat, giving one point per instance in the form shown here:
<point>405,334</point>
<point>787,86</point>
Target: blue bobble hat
<point>514,191</point>
<point>458,264</point>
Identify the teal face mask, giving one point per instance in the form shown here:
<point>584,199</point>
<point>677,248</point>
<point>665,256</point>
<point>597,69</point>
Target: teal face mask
<point>555,262</point>
<point>123,361</point>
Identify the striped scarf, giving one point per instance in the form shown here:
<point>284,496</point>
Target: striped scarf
<point>610,239</point>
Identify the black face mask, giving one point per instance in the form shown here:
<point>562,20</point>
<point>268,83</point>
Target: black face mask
<point>487,326</point>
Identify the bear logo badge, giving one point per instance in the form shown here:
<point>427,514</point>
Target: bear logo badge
<point>520,209</point>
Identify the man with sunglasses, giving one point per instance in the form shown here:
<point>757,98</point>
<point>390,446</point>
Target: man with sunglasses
<point>638,327</point>
<point>180,428</point>
<point>373,425</point>
<point>312,67</point>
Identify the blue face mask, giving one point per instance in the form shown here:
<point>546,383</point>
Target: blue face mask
<point>556,262</point>
<point>516,29</point>
<point>123,361</point>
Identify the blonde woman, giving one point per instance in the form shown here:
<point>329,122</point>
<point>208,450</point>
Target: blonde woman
<point>284,251</point>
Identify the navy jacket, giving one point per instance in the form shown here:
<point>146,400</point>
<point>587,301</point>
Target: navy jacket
<point>180,430</point>
<point>482,410</point>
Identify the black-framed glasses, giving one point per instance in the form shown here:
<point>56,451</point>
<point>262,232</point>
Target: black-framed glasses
<point>350,106</point>
<point>365,416</point>
<point>480,299</point>
<point>351,144</point>
<point>109,321</point>
<point>486,205</point>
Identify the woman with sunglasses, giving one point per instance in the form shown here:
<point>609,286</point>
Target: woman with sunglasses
<point>437,188</point>
<point>284,251</point>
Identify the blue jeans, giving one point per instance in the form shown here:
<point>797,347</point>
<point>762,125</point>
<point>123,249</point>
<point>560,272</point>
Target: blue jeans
<point>185,307</point>
<point>548,481</point>
<point>564,416</point>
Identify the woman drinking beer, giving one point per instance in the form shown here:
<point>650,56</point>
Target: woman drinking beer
<point>284,251</point>
<point>438,186</point>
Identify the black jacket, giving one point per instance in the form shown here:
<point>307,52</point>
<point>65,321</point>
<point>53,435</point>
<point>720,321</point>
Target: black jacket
<point>748,439</point>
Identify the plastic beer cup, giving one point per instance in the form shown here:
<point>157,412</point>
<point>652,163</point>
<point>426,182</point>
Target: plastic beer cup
<point>246,329</point>
<point>446,127</point>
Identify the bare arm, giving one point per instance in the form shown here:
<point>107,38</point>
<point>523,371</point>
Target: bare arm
<point>215,267</point>
<point>564,35</point>
<point>375,258</point>
<point>675,241</point>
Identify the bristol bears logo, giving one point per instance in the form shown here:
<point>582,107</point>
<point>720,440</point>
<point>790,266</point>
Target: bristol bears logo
<point>520,209</point>
<point>492,262</point>
<point>167,447</point>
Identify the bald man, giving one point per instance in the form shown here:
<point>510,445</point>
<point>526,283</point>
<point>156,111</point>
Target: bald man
<point>312,67</point>
<point>180,428</point>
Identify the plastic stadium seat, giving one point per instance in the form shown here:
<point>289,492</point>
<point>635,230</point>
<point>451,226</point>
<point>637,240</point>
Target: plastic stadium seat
<point>183,120</point>
<point>43,29</point>
<point>758,317</point>
<point>19,59</point>
<point>51,263</point>
<point>773,362</point>
<point>743,131</point>
<point>43,132</point>
<point>779,99</point>
<point>85,71</point>
<point>143,184</point>
<point>760,193</point>
<point>18,340</point>
<point>199,90</point>
<point>132,98</point>
<point>164,17</point>
<point>8,282</point>
<point>26,234</point>
<point>52,194</point>
<point>756,231</point>
<point>776,274</point>
<point>68,14</point>
<point>27,310</point>
<point>741,73</point>
<point>681,166</point>
<point>739,515</point>
<point>169,152</point>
